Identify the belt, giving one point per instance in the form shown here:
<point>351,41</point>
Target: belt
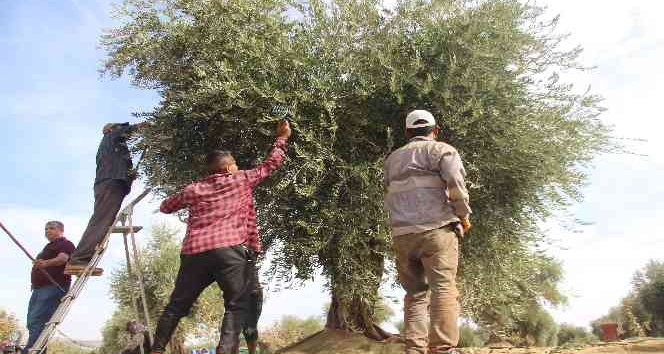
<point>456,227</point>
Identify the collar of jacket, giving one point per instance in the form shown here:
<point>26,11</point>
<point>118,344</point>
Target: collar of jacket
<point>421,138</point>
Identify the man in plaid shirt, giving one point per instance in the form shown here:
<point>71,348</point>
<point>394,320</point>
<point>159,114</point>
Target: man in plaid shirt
<point>220,231</point>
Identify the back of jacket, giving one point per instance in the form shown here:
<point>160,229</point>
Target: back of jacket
<point>425,187</point>
<point>113,158</point>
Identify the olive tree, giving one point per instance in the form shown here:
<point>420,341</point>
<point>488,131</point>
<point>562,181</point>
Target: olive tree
<point>345,73</point>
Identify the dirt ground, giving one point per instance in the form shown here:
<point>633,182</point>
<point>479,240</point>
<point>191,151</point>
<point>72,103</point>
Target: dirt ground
<point>337,342</point>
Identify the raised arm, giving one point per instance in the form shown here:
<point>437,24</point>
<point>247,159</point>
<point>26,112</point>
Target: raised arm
<point>276,157</point>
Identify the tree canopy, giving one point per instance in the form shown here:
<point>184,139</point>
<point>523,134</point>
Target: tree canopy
<point>345,73</point>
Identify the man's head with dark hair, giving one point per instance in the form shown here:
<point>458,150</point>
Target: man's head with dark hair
<point>221,161</point>
<point>421,123</point>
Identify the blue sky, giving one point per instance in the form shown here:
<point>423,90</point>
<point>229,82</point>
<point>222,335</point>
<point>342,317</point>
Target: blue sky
<point>54,103</point>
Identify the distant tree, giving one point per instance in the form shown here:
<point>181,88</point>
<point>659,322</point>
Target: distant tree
<point>160,261</point>
<point>570,334</point>
<point>470,337</point>
<point>61,346</point>
<point>630,324</point>
<point>528,324</point>
<point>114,332</point>
<point>649,297</point>
<point>537,328</point>
<point>382,311</point>
<point>9,326</point>
<point>641,312</point>
<point>288,330</point>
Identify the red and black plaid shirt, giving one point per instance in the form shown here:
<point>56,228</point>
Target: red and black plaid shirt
<point>221,206</point>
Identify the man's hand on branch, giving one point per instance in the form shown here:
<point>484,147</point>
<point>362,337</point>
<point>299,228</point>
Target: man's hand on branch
<point>283,130</point>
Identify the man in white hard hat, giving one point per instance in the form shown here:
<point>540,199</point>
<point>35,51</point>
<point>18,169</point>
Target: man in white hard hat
<point>428,205</point>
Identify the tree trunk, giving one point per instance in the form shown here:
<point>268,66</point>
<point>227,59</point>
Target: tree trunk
<point>353,302</point>
<point>354,316</point>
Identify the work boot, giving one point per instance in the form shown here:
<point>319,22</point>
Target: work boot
<point>77,270</point>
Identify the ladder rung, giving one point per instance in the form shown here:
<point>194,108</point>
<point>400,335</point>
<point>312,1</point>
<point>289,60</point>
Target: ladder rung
<point>125,229</point>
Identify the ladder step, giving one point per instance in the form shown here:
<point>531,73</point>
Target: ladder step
<point>125,229</point>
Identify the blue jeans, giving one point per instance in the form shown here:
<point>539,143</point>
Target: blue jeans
<point>43,303</point>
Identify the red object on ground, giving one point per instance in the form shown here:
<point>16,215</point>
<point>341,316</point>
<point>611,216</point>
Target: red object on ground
<point>609,332</point>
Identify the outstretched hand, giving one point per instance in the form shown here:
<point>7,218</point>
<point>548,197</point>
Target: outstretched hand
<point>283,129</point>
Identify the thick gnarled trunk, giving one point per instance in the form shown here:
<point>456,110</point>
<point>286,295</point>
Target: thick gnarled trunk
<point>355,315</point>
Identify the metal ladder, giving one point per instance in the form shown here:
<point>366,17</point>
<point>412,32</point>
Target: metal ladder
<point>67,301</point>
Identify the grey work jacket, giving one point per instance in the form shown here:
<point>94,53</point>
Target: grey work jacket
<point>425,187</point>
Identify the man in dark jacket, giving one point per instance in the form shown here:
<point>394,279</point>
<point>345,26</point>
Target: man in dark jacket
<point>112,184</point>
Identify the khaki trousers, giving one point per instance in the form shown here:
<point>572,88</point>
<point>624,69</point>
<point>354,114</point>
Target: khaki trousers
<point>427,266</point>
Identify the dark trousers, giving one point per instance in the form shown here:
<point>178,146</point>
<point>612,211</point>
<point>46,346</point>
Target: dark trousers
<point>228,267</point>
<point>255,299</point>
<point>109,195</point>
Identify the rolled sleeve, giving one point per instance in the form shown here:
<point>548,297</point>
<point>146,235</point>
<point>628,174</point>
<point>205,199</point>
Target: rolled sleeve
<point>174,203</point>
